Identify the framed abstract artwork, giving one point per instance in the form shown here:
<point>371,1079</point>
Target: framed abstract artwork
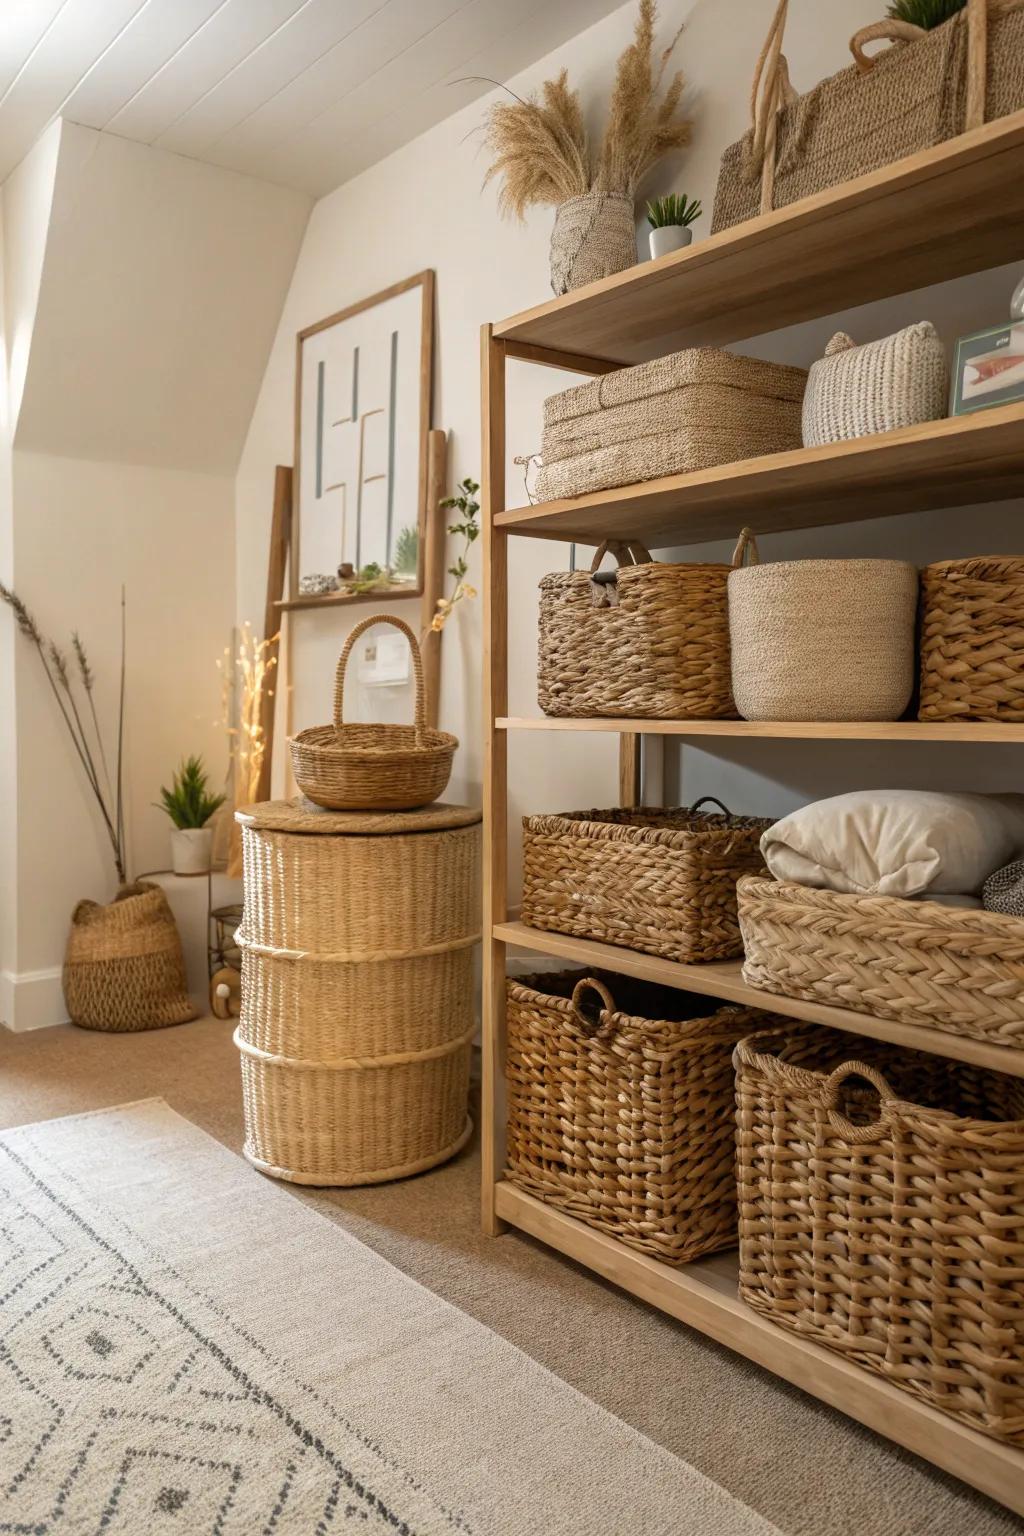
<point>362,417</point>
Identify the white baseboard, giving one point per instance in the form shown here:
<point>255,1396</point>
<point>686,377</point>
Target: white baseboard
<point>31,999</point>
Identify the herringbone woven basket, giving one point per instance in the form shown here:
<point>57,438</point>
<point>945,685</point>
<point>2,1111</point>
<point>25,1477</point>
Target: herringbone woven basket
<point>918,962</point>
<point>972,639</point>
<point>621,1109</point>
<point>593,236</point>
<point>661,881</point>
<point>123,967</point>
<point>364,767</point>
<point>653,641</point>
<point>886,1222</point>
<point>357,990</point>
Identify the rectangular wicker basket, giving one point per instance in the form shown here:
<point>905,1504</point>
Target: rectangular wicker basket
<point>661,881</point>
<point>621,1109</point>
<point>918,962</point>
<point>881,1213</point>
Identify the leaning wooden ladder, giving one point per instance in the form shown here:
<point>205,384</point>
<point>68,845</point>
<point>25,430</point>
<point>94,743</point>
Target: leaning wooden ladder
<point>923,220</point>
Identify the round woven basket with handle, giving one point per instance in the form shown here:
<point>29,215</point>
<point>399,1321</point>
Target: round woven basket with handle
<point>373,767</point>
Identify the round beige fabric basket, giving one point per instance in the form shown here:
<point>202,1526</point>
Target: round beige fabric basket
<point>357,989</point>
<point>373,767</point>
<point>123,967</point>
<point>822,639</point>
<point>593,236</point>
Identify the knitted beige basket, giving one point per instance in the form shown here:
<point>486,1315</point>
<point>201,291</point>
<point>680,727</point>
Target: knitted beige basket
<point>822,639</point>
<point>878,387</point>
<point>593,236</point>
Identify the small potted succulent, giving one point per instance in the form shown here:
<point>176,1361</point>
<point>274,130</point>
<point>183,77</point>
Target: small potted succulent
<point>670,219</point>
<point>190,805</point>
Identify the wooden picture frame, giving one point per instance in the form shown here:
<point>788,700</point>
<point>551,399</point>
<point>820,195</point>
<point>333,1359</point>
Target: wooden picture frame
<point>416,393</point>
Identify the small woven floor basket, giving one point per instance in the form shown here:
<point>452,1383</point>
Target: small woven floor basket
<point>373,767</point>
<point>621,1109</point>
<point>881,1211</point>
<point>661,881</point>
<point>972,639</point>
<point>124,970</point>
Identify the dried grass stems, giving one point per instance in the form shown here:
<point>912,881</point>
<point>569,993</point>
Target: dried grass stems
<point>540,148</point>
<point>108,796</point>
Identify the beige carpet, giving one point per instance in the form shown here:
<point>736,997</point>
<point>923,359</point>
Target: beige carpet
<point>809,1471</point>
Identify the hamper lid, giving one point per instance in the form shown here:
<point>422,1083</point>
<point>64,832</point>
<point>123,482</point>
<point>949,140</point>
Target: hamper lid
<point>301,815</point>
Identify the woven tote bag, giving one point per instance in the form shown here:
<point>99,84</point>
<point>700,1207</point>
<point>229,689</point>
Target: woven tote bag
<point>123,966</point>
<point>648,639</point>
<point>881,1208</point>
<point>926,88</point>
<point>972,639</point>
<point>821,639</point>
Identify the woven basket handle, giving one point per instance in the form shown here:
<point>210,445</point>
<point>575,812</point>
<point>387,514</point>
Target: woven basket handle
<point>420,719</point>
<point>589,1023</point>
<point>638,553</point>
<point>978,12</point>
<point>746,545</point>
<point>704,799</point>
<point>830,1099</point>
<point>770,91</point>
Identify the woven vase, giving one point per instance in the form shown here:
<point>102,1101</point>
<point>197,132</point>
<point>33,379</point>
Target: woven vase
<point>123,967</point>
<point>594,236</point>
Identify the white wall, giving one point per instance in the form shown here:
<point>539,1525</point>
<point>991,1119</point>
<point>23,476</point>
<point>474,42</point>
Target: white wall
<point>424,206</point>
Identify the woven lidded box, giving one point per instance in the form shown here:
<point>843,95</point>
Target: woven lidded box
<point>856,391</point>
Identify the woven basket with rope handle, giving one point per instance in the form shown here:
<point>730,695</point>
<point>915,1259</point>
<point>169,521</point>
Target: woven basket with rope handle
<point>373,767</point>
<point>927,87</point>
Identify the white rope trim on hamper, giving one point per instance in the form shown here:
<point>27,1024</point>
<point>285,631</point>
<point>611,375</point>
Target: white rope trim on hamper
<point>355,1063</point>
<point>356,957</point>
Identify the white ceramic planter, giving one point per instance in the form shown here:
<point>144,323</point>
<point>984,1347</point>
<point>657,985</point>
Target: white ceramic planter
<point>191,850</point>
<point>671,237</point>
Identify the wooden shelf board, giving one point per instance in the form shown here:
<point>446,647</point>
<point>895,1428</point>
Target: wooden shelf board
<point>951,209</point>
<point>724,979</point>
<point>954,462</point>
<point>703,1295</point>
<point>991,732</point>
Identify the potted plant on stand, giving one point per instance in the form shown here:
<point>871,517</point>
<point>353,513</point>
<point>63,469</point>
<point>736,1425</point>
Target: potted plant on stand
<point>670,219</point>
<point>190,805</point>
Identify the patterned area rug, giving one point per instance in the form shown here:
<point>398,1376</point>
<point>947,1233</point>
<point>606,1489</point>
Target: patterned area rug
<point>186,1348</point>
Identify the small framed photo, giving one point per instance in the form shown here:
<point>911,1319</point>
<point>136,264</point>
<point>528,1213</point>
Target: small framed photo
<point>988,369</point>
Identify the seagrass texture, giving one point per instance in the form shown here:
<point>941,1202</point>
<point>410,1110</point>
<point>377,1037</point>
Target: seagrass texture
<point>620,1108</point>
<point>593,236</point>
<point>972,640</point>
<point>918,962</point>
<point>881,386</point>
<point>690,410</point>
<point>822,639</point>
<point>654,642</point>
<point>371,766</point>
<point>123,966</point>
<point>928,87</point>
<point>881,1213</point>
<point>357,1018</point>
<point>660,881</point>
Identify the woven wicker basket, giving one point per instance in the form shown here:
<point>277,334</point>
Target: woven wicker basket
<point>881,386</point>
<point>887,1221</point>
<point>928,87</point>
<point>621,1111</point>
<point>688,411</point>
<point>650,640</point>
<point>593,236</point>
<point>123,967</point>
<point>661,881</point>
<point>821,639</point>
<point>359,767</point>
<point>357,989</point>
<point>918,962</point>
<point>972,639</point>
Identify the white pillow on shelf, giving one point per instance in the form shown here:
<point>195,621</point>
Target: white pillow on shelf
<point>896,842</point>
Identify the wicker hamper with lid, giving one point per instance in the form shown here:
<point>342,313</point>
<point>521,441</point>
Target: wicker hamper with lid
<point>972,639</point>
<point>881,1214</point>
<point>621,1110</point>
<point>357,989</point>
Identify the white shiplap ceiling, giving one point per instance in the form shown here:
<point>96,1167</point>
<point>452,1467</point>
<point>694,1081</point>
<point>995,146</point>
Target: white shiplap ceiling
<point>304,92</point>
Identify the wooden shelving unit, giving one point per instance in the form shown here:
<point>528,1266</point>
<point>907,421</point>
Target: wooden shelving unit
<point>954,209</point>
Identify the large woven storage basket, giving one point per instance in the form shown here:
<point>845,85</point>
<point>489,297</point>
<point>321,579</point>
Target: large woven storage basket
<point>123,967</point>
<point>620,1108</point>
<point>972,640</point>
<point>373,767</point>
<point>357,989</point>
<point>688,411</point>
<point>661,881</point>
<point>822,639</point>
<point>881,1211</point>
<point>918,962</point>
<point>926,88</point>
<point>650,640</point>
